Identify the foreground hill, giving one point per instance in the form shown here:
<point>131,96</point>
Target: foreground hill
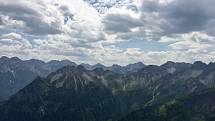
<point>196,107</point>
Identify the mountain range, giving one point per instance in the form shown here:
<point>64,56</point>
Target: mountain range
<point>170,92</point>
<point>16,73</point>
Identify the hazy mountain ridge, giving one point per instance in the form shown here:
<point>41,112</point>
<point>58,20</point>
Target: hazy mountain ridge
<point>117,68</point>
<point>16,73</point>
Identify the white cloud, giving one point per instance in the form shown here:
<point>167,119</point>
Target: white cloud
<point>75,30</point>
<point>11,36</point>
<point>194,41</point>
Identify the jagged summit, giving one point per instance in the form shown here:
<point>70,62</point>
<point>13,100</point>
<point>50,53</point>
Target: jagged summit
<point>171,63</point>
<point>4,58</point>
<point>71,77</point>
<point>199,64</point>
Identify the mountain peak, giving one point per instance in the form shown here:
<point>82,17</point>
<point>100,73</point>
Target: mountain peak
<point>199,64</point>
<point>70,77</point>
<point>35,61</point>
<point>98,65</point>
<point>140,63</point>
<point>87,66</point>
<point>136,65</point>
<point>116,65</point>
<point>15,59</point>
<point>168,63</point>
<point>4,58</point>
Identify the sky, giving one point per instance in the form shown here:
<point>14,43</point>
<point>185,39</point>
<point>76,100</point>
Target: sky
<point>109,31</point>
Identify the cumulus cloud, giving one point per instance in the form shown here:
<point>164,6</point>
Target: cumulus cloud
<point>166,17</point>
<point>12,36</point>
<point>89,31</point>
<point>194,41</point>
<point>33,17</point>
<point>187,16</point>
<point>118,23</point>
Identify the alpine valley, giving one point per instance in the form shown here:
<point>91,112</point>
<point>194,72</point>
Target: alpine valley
<point>33,90</point>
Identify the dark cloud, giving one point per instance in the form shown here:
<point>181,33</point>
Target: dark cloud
<point>10,8</point>
<point>181,16</point>
<point>32,19</point>
<point>185,16</point>
<point>1,21</point>
<point>151,6</point>
<point>159,19</point>
<point>57,30</point>
<point>67,14</point>
<point>120,23</point>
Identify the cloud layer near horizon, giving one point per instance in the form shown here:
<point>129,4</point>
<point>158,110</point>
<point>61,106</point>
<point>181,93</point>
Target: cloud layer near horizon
<point>92,32</point>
